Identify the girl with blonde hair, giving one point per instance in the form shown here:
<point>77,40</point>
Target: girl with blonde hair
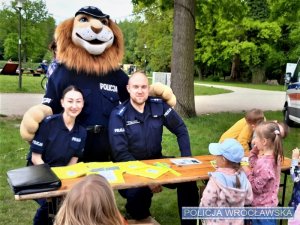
<point>90,202</point>
<point>264,171</point>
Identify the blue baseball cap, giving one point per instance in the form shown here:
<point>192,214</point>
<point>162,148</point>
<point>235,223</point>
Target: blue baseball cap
<point>230,148</point>
<point>92,11</point>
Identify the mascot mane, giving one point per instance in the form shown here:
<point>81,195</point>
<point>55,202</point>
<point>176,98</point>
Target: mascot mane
<point>77,58</point>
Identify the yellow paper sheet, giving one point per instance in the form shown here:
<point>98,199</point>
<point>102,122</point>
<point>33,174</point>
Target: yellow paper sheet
<point>149,171</point>
<point>72,171</point>
<point>131,165</point>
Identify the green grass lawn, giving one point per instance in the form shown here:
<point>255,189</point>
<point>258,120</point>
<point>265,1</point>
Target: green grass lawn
<point>245,85</point>
<point>30,84</point>
<point>203,130</point>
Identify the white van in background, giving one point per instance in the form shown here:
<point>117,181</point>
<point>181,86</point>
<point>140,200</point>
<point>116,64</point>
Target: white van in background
<point>291,107</point>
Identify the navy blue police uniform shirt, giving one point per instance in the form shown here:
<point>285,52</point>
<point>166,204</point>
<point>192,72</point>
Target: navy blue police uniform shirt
<point>101,93</point>
<point>56,143</point>
<point>138,136</point>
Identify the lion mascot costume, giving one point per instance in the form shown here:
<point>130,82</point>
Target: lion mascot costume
<point>89,51</point>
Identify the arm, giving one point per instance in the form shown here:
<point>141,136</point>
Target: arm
<point>260,175</point>
<point>38,145</point>
<point>73,160</point>
<point>36,159</point>
<point>253,156</point>
<point>295,169</point>
<point>118,139</point>
<point>176,125</point>
<point>244,137</point>
<point>210,194</point>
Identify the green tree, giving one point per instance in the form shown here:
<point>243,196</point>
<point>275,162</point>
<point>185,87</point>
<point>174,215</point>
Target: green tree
<point>37,29</point>
<point>182,60</point>
<point>130,32</point>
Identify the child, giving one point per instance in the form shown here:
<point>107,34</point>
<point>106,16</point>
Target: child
<point>264,171</point>
<point>91,201</point>
<point>59,141</point>
<point>228,186</point>
<point>242,130</point>
<point>295,173</point>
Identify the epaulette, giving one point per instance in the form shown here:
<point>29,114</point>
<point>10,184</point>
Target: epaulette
<point>121,111</point>
<point>155,100</point>
<point>50,117</point>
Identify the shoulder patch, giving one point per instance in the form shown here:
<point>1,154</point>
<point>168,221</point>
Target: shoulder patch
<point>121,111</point>
<point>155,100</point>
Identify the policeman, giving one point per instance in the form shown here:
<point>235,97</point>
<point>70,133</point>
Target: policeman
<point>135,133</point>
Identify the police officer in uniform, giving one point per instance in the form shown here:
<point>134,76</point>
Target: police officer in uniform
<point>135,133</point>
<point>59,141</point>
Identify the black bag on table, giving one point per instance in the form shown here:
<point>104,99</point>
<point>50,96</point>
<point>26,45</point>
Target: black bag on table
<point>33,179</point>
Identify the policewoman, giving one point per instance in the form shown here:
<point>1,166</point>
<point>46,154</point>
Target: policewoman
<point>135,133</point>
<point>59,141</point>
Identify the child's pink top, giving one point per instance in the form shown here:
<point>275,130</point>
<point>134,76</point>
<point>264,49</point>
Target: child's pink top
<point>264,178</point>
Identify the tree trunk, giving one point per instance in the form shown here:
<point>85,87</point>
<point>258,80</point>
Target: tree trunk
<point>182,68</point>
<point>235,67</point>
<point>258,74</point>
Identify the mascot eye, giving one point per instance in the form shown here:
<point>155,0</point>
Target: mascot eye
<point>104,21</point>
<point>83,19</point>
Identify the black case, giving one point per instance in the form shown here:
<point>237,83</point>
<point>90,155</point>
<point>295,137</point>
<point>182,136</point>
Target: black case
<point>33,179</point>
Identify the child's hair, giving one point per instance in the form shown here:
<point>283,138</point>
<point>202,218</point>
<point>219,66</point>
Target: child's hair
<point>236,167</point>
<point>285,129</point>
<point>270,131</point>
<point>89,202</point>
<point>70,88</point>
<point>254,116</point>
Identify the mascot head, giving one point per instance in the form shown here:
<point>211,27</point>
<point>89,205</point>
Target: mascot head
<point>90,42</point>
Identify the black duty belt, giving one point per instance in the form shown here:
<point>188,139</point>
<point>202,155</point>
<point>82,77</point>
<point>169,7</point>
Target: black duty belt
<point>96,129</point>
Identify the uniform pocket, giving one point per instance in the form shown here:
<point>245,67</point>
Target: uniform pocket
<point>109,101</point>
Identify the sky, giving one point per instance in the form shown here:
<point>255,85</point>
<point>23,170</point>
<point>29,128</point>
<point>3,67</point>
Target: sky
<point>63,9</point>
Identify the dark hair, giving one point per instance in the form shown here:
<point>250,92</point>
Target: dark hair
<point>70,88</point>
<point>53,47</point>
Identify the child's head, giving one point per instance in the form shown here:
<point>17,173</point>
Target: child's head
<point>90,201</point>
<point>268,138</point>
<point>228,154</point>
<point>230,149</point>
<point>254,117</point>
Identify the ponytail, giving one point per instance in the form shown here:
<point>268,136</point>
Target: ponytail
<point>278,149</point>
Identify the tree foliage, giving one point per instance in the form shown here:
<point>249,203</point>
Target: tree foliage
<point>37,28</point>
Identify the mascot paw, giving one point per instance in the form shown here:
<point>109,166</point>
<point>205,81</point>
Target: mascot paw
<point>31,120</point>
<point>163,91</point>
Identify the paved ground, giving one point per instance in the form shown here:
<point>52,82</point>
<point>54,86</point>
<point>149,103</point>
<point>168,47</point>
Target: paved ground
<point>240,99</point>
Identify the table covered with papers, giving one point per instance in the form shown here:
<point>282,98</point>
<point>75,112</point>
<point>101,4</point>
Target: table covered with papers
<point>135,173</point>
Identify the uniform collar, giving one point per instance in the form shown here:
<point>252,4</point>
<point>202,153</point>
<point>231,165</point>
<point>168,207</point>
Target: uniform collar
<point>63,126</point>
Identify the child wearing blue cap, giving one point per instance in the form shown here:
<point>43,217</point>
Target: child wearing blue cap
<point>228,186</point>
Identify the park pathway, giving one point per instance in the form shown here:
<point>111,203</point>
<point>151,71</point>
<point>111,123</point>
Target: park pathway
<point>241,99</point>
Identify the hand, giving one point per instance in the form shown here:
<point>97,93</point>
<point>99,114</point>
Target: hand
<point>31,120</point>
<point>155,188</point>
<point>165,92</point>
<point>295,154</point>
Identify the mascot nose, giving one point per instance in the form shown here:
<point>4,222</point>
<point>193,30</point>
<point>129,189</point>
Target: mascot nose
<point>96,29</point>
<point>96,26</point>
